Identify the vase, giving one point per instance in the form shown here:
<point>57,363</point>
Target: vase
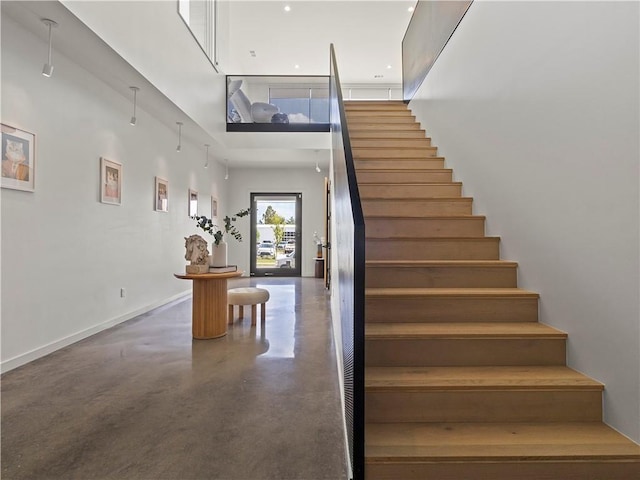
<point>219,255</point>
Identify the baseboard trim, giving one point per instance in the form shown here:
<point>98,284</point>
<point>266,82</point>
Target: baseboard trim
<point>40,352</point>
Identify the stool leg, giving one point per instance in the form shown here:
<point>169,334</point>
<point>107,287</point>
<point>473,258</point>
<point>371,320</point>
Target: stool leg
<point>230,315</point>
<point>241,311</point>
<point>254,312</point>
<point>263,312</point>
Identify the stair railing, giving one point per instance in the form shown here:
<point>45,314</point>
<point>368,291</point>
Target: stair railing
<point>349,249</point>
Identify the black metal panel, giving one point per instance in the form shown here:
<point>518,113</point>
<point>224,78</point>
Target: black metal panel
<point>350,251</point>
<point>278,127</point>
<point>431,26</point>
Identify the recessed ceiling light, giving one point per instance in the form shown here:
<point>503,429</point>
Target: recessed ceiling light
<point>410,9</point>
<point>389,67</point>
<point>287,8</point>
<point>296,66</point>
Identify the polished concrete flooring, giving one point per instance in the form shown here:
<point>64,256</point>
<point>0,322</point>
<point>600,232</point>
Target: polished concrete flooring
<point>145,401</point>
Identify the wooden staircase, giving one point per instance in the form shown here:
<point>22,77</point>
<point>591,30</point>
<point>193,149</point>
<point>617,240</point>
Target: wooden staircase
<point>462,381</point>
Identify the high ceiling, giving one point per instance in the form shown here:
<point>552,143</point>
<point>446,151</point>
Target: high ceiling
<point>367,36</point>
<point>120,43</point>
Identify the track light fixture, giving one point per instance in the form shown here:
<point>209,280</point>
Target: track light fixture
<point>179,147</point>
<point>206,162</point>
<point>47,70</point>
<point>135,99</point>
<point>226,171</point>
<point>317,167</point>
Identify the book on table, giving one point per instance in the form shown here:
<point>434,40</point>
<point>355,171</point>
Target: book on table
<point>227,269</point>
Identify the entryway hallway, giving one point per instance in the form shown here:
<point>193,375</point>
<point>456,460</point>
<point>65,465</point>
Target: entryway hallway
<point>143,400</point>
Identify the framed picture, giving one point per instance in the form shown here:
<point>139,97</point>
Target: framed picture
<point>193,203</point>
<point>18,159</point>
<point>214,207</point>
<point>162,195</point>
<point>110,181</point>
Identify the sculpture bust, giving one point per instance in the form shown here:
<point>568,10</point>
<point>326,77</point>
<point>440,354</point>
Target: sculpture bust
<point>197,252</point>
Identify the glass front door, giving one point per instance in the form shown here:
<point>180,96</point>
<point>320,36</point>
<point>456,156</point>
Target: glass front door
<point>276,234</point>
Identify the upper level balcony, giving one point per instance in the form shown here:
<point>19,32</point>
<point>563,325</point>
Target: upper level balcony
<point>277,103</point>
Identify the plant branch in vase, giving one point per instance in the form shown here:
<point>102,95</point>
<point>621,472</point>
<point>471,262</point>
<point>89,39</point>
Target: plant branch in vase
<point>219,254</point>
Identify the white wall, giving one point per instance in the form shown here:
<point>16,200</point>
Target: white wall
<point>151,36</point>
<point>65,255</point>
<point>535,106</point>
<point>243,182</point>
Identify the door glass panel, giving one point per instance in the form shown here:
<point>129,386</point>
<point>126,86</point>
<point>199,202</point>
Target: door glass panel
<point>275,230</point>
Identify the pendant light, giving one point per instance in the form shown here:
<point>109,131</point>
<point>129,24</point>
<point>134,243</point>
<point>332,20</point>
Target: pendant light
<point>179,147</point>
<point>47,70</point>
<point>135,100</point>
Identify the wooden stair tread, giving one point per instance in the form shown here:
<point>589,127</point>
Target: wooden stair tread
<point>419,200</point>
<point>460,330</point>
<point>449,292</point>
<point>426,217</point>
<point>419,184</point>
<point>389,442</point>
<point>378,135</point>
<point>465,378</point>
<point>440,263</point>
<point>434,239</point>
<point>410,170</point>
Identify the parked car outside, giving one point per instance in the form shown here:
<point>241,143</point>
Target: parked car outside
<point>290,246</point>
<point>286,261</point>
<point>281,245</point>
<point>266,249</point>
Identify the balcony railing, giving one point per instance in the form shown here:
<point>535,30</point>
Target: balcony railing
<point>277,103</point>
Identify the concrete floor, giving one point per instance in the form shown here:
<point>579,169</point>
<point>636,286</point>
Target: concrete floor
<point>143,400</point>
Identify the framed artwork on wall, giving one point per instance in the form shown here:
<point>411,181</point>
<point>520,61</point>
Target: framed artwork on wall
<point>18,159</point>
<point>110,181</point>
<point>193,203</point>
<point>162,195</point>
<point>214,207</point>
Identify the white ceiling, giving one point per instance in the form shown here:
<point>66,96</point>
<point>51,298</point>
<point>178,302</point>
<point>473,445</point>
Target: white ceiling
<point>367,35</point>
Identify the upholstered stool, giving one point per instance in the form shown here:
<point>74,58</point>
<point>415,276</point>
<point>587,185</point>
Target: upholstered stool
<point>247,296</point>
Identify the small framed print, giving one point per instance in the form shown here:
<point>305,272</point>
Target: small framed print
<point>162,195</point>
<point>214,207</point>
<point>18,159</point>
<point>110,181</point>
<point>193,203</point>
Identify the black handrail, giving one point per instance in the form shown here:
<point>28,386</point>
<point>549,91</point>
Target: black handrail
<point>348,221</point>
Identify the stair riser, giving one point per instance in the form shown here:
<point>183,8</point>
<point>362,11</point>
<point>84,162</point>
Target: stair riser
<point>443,190</point>
<point>436,249</point>
<point>426,176</point>
<point>369,119</point>
<point>484,406</point>
<point>441,277</point>
<point>358,107</point>
<point>364,135</point>
<point>417,208</point>
<point>398,164</point>
<point>440,309</point>
<point>390,143</point>
<point>374,127</point>
<point>425,227</point>
<point>465,351</point>
<point>356,114</point>
<point>491,470</point>
<point>402,153</point>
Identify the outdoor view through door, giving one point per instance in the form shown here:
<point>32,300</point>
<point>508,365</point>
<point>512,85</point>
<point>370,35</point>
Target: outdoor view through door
<point>276,233</point>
